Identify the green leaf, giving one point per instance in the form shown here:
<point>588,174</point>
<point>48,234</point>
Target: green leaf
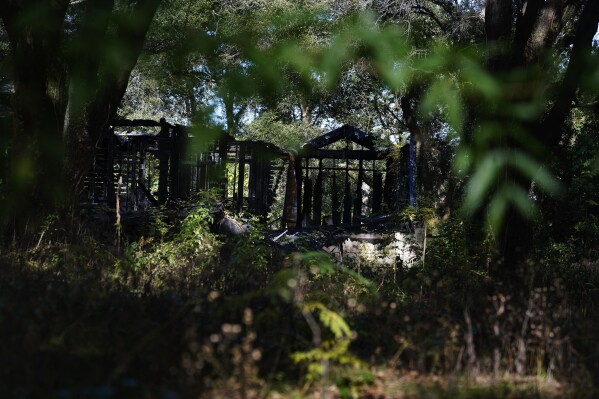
<point>482,82</point>
<point>482,180</point>
<point>330,319</point>
<point>519,197</point>
<point>535,171</point>
<point>462,161</point>
<point>444,94</point>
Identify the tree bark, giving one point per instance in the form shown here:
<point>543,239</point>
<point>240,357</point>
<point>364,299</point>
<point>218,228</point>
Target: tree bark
<point>66,93</point>
<point>35,158</point>
<point>537,28</point>
<point>422,136</point>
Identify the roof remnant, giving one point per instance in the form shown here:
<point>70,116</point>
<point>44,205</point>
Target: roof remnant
<point>344,132</point>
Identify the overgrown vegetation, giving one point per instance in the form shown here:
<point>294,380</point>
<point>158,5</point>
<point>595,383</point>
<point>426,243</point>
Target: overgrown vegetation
<point>188,313</point>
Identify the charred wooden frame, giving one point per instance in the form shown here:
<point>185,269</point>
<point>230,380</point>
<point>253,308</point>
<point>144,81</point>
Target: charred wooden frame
<point>337,178</point>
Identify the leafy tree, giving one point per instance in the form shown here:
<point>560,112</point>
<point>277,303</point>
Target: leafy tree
<point>527,42</point>
<point>70,67</point>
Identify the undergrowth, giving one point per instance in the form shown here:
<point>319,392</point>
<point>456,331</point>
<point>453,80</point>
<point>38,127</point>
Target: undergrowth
<point>183,312</point>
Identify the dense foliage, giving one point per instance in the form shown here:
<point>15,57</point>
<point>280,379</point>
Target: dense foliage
<point>500,102</point>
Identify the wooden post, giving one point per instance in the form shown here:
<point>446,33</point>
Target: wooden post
<point>377,192</point>
<point>266,180</point>
<point>318,196</point>
<point>290,208</point>
<point>184,167</point>
<point>307,212</point>
<point>347,196</point>
<point>253,182</point>
<point>261,183</point>
<point>241,179</point>
<point>335,200</point>
<point>174,164</point>
<point>391,184</point>
<point>273,183</point>
<point>203,173</point>
<point>358,200</point>
<point>163,157</point>
<point>298,178</point>
<point>235,166</point>
<point>109,168</point>
<point>221,168</point>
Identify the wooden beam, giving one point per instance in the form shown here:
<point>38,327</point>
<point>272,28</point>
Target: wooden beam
<point>377,192</point>
<point>318,197</point>
<point>307,209</point>
<point>336,204</point>
<point>163,158</point>
<point>135,123</point>
<point>347,198</point>
<point>148,194</point>
<point>358,199</point>
<point>366,155</point>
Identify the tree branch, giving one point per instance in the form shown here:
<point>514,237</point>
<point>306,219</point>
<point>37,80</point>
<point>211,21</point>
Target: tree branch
<point>579,60</point>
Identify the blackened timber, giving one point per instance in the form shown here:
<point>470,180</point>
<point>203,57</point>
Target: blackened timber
<point>298,177</point>
<point>274,188</point>
<point>241,177</point>
<point>203,174</point>
<point>184,171</point>
<point>317,202</point>
<point>252,185</point>
<point>268,196</point>
<point>366,155</point>
<point>391,193</point>
<point>174,164</point>
<point>347,132</point>
<point>261,182</point>
<point>358,200</point>
<point>163,157</point>
<point>344,169</point>
<point>336,204</point>
<point>140,123</point>
<point>109,168</point>
<point>377,192</point>
<point>148,194</point>
<point>347,198</point>
<point>290,208</point>
<point>307,212</point>
<point>221,170</point>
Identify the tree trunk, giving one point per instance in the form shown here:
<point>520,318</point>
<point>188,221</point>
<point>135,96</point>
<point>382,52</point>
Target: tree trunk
<point>56,129</point>
<point>422,136</point>
<point>34,180</point>
<point>537,28</point>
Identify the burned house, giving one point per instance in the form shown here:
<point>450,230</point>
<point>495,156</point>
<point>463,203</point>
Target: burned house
<point>342,178</point>
<point>339,178</point>
<point>145,164</point>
